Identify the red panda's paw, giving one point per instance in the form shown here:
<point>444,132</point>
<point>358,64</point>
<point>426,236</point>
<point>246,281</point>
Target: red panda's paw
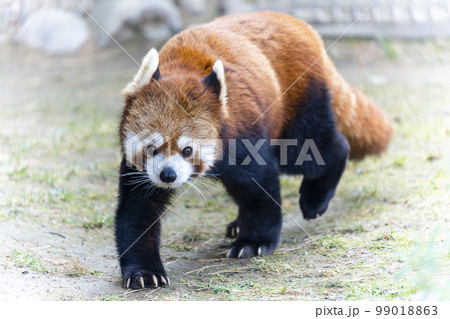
<point>313,211</point>
<point>242,248</point>
<point>144,279</point>
<point>232,229</point>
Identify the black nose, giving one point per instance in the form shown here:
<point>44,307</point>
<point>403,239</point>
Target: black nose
<point>168,175</point>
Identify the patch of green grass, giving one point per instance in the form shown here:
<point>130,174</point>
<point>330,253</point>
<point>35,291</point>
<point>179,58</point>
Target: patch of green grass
<point>10,213</point>
<point>179,247</point>
<point>270,265</point>
<point>426,265</point>
<point>71,268</point>
<point>330,242</point>
<point>290,187</point>
<point>358,228</point>
<point>230,289</point>
<point>378,290</point>
<point>336,284</point>
<point>285,288</point>
<point>21,258</point>
<point>388,46</point>
<point>98,221</point>
<point>114,297</point>
<point>19,173</point>
<point>194,237</point>
<point>399,161</point>
<point>392,239</point>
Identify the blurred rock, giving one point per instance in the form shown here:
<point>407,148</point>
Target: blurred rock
<point>377,80</point>
<point>155,19</point>
<point>195,7</point>
<point>53,31</point>
<point>239,6</point>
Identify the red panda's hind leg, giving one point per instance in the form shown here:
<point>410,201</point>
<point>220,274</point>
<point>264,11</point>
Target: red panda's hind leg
<point>319,185</point>
<point>321,152</point>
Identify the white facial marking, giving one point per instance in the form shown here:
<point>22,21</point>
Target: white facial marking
<point>208,151</point>
<point>182,168</point>
<point>184,141</point>
<point>158,140</point>
<point>135,145</point>
<point>204,150</point>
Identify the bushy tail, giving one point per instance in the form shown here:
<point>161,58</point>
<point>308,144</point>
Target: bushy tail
<point>366,127</point>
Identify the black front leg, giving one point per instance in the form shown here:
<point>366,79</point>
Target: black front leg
<point>255,188</point>
<point>138,230</point>
<point>259,220</point>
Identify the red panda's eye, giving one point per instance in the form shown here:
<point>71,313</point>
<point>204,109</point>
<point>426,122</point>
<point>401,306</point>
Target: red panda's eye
<point>151,150</point>
<point>187,151</point>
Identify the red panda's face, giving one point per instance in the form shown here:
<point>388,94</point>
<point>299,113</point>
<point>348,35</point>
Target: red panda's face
<point>171,128</point>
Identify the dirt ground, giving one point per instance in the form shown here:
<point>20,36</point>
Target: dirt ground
<point>385,235</point>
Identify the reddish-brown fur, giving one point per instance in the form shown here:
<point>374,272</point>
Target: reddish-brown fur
<point>264,53</point>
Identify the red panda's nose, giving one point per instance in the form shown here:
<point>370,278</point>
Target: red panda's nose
<point>168,175</point>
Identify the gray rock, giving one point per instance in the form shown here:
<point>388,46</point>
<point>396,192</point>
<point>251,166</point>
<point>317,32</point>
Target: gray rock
<point>53,31</point>
<point>239,6</point>
<point>120,19</point>
<point>194,7</point>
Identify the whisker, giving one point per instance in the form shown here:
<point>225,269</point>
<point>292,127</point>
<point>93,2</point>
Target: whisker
<point>195,189</point>
<point>213,185</point>
<point>129,174</point>
<point>207,192</point>
<point>207,186</point>
<point>192,184</point>
<point>140,184</point>
<point>212,176</point>
<point>147,193</point>
<point>134,182</point>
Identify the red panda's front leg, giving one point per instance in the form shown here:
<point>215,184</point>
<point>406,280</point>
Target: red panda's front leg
<point>259,220</point>
<point>255,188</point>
<point>138,230</point>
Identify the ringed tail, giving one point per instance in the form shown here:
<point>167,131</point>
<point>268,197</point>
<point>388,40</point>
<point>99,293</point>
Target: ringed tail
<point>365,125</point>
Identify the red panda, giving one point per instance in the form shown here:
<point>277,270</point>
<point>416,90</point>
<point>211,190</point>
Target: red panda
<point>235,82</point>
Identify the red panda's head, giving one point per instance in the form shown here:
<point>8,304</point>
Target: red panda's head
<point>171,125</point>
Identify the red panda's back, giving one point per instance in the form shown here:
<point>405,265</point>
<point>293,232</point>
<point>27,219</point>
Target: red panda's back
<point>264,53</point>
<point>272,59</point>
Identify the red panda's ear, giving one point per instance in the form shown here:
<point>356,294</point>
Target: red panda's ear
<point>149,70</point>
<point>216,82</point>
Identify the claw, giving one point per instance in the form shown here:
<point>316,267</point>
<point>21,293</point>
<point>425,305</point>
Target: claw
<point>128,283</point>
<point>228,253</point>
<point>155,280</point>
<point>163,280</point>
<point>168,281</point>
<point>141,280</point>
<point>259,251</point>
<point>240,253</point>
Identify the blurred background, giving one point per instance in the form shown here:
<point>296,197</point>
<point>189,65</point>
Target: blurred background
<point>38,23</point>
<point>385,235</point>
